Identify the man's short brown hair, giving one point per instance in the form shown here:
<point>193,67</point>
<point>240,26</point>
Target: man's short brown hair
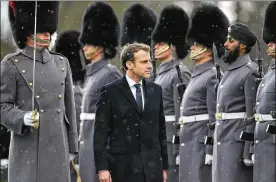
<point>128,51</point>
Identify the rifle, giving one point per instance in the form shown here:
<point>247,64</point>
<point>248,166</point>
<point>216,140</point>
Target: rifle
<point>181,87</point>
<point>246,136</point>
<point>153,60</point>
<point>208,139</point>
<point>218,72</point>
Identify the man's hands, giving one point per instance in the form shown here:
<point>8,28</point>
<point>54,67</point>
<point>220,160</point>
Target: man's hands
<point>165,175</point>
<point>31,118</point>
<point>104,176</point>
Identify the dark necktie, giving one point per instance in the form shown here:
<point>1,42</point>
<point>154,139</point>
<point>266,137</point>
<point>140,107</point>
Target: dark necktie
<point>139,97</point>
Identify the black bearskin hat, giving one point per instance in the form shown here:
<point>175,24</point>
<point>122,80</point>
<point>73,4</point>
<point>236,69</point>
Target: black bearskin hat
<point>22,19</point>
<point>67,44</point>
<point>208,24</point>
<point>172,28</point>
<point>137,25</point>
<point>269,31</point>
<point>100,27</point>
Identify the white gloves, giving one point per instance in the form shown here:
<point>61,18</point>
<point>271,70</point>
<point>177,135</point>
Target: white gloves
<point>31,118</point>
<point>208,159</point>
<point>71,157</point>
<point>177,160</point>
<point>253,158</point>
<point>248,162</point>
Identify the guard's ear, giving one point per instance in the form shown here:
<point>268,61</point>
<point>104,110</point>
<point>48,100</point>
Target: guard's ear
<point>243,46</point>
<point>129,65</point>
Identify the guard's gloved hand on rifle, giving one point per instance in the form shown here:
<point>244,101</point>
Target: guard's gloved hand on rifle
<point>208,159</point>
<point>71,157</point>
<point>248,162</point>
<point>253,158</point>
<point>31,118</point>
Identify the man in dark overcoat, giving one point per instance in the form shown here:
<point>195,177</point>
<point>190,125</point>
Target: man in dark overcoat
<point>130,131</point>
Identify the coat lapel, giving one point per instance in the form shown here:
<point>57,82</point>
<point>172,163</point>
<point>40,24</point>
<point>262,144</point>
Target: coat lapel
<point>146,96</point>
<point>124,88</point>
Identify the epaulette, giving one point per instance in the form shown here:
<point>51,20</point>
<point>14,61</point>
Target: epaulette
<point>8,56</point>
<point>111,67</point>
<point>56,53</point>
<point>252,65</point>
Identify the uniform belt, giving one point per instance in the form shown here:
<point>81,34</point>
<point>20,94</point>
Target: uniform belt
<point>263,117</point>
<point>227,116</point>
<point>194,118</point>
<point>170,118</point>
<point>87,116</point>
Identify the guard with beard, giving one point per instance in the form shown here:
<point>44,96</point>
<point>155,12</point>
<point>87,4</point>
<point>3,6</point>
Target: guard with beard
<point>99,38</point>
<point>198,107</point>
<point>67,44</point>
<point>264,143</point>
<point>171,31</point>
<point>235,103</point>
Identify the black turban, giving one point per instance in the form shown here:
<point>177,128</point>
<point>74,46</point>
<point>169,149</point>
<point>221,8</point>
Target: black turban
<point>243,34</point>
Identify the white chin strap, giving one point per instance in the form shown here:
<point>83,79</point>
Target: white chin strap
<point>194,54</point>
<point>53,41</point>
<point>163,49</point>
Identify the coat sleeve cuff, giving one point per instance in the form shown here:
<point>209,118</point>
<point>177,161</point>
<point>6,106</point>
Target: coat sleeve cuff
<point>73,142</point>
<point>15,122</point>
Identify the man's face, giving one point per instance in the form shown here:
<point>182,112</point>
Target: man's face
<point>271,51</point>
<point>162,51</point>
<point>141,66</point>
<point>198,52</point>
<point>43,40</point>
<point>232,51</point>
<point>90,51</point>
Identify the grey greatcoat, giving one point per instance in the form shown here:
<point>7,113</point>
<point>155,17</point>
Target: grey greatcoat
<point>78,91</point>
<point>199,98</point>
<point>236,93</point>
<point>98,74</point>
<point>265,148</point>
<point>167,77</point>
<point>39,155</point>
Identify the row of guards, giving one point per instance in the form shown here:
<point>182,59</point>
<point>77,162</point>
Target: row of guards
<point>220,126</point>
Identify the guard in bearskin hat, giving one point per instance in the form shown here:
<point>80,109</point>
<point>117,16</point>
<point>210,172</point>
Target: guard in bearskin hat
<point>137,25</point>
<point>99,38</point>
<point>68,45</point>
<point>264,142</point>
<point>169,36</point>
<point>44,135</point>
<point>198,107</point>
<point>235,105</point>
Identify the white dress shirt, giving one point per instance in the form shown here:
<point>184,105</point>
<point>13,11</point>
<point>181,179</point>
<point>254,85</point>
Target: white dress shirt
<point>131,84</point>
